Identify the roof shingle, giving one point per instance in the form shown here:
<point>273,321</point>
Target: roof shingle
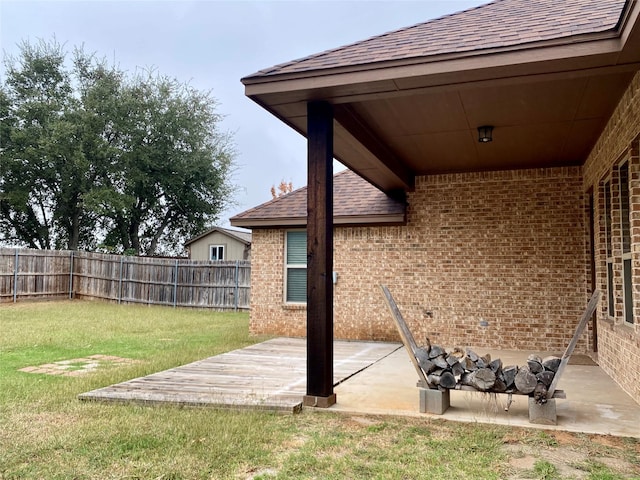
<point>499,24</point>
<point>353,198</point>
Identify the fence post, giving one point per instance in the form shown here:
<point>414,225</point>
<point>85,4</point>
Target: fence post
<point>71,275</point>
<point>175,286</point>
<point>237,280</point>
<point>15,278</point>
<point>120,280</point>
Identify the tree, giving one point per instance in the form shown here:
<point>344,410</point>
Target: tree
<point>283,189</point>
<point>36,138</point>
<point>92,156</point>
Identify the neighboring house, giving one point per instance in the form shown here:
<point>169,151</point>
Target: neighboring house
<point>220,244</point>
<point>503,240</point>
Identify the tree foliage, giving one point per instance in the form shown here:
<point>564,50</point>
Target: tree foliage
<point>283,189</point>
<point>92,156</point>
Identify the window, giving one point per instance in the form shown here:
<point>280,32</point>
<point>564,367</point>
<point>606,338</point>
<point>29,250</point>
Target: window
<point>625,224</point>
<point>295,266</point>
<point>216,252</point>
<point>609,248</point>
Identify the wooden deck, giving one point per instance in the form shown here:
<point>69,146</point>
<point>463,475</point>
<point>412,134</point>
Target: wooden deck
<point>269,375</point>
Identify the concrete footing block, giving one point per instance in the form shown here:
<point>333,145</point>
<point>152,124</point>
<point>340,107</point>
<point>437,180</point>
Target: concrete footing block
<point>543,414</point>
<point>434,401</point>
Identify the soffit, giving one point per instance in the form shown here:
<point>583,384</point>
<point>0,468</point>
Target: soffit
<point>396,118</point>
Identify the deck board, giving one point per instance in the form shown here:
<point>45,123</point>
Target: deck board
<point>270,375</point>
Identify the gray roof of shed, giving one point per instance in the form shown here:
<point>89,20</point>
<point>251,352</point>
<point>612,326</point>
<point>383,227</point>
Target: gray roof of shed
<point>244,237</point>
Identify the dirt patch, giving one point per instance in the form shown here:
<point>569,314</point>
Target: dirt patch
<point>78,366</point>
<point>570,454</point>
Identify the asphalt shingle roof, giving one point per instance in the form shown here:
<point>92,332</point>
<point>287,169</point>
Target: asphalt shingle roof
<point>352,197</point>
<point>499,24</point>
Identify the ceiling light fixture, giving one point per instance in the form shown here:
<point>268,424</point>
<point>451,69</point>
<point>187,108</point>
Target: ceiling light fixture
<point>485,133</point>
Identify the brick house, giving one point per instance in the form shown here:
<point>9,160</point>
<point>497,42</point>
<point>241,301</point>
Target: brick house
<point>500,240</point>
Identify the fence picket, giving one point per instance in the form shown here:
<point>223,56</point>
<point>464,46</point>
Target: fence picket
<point>153,281</point>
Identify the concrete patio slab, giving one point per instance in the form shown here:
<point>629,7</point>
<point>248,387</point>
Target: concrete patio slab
<point>594,403</point>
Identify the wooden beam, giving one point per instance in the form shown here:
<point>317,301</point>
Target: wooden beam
<point>319,255</point>
<point>406,336</point>
<point>591,307</point>
<point>348,119</point>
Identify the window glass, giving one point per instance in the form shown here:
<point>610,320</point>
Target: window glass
<point>216,252</point>
<point>297,248</point>
<point>607,217</point>
<point>296,267</point>
<point>624,208</point>
<point>611,310</point>
<point>628,295</point>
<point>297,285</point>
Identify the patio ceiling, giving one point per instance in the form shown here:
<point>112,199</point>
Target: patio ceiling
<point>394,119</point>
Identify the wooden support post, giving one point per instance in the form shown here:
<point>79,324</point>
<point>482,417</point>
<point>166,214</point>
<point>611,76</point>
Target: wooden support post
<point>319,256</point>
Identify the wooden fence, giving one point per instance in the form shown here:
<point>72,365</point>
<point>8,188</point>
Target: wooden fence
<point>26,273</point>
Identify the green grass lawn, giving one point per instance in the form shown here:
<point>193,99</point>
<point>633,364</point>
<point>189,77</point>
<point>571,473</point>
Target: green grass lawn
<point>46,433</point>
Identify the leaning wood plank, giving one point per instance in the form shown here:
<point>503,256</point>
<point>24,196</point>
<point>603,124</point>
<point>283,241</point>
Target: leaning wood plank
<point>591,307</point>
<point>405,335</point>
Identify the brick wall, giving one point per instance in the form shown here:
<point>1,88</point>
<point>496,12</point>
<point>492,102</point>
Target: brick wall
<point>618,342</point>
<point>506,248</point>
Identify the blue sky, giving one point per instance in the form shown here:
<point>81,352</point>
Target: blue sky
<point>212,45</point>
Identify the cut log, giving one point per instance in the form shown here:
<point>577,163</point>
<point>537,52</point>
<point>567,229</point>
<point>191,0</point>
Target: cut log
<point>551,363</point>
<point>451,359</point>
<point>447,380</point>
<point>540,393</point>
<point>509,374</point>
<point>486,358</point>
<point>466,379</point>
<point>495,365</point>
<point>436,351</point>
<point>457,369</point>
<point>545,377</point>
<point>499,386</point>
<point>525,381</point>
<point>440,361</point>
<point>427,365</point>
<point>483,379</point>
<point>433,379</point>
<point>421,354</point>
<point>534,366</point>
<point>473,356</point>
<point>535,358</point>
<point>457,352</point>
<point>469,364</point>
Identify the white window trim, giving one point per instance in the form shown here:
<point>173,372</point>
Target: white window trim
<point>217,247</point>
<point>288,266</point>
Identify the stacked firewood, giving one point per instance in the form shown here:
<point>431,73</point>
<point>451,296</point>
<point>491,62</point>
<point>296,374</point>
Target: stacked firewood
<point>458,367</point>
